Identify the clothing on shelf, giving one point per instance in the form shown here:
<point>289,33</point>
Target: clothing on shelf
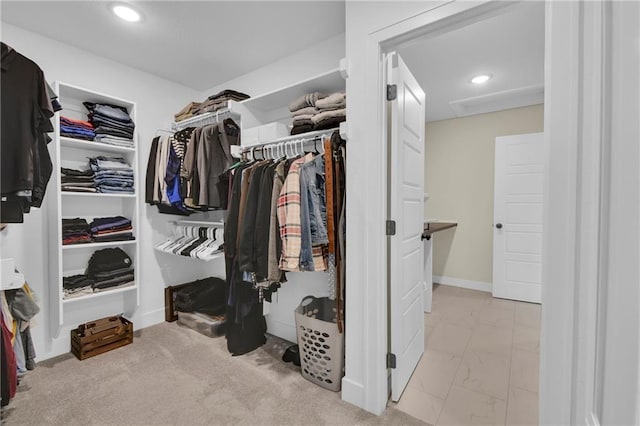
<point>198,242</point>
<point>75,231</point>
<point>26,110</point>
<point>113,175</point>
<point>184,169</point>
<point>77,129</point>
<point>213,103</point>
<point>73,180</point>
<point>110,120</point>
<point>110,229</point>
<point>316,111</point>
<point>107,269</point>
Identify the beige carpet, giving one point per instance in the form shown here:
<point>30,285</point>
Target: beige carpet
<point>174,375</point>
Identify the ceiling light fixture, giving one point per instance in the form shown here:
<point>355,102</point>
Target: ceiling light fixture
<point>481,79</point>
<point>126,12</point>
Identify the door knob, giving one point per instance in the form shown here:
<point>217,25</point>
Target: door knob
<point>499,225</point>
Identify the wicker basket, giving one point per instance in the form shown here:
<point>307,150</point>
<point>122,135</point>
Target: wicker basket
<point>321,345</point>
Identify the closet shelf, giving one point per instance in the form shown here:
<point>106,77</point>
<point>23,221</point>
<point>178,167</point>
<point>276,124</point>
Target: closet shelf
<point>96,194</point>
<point>97,245</point>
<point>99,294</point>
<point>326,82</point>
<point>207,118</point>
<point>93,146</point>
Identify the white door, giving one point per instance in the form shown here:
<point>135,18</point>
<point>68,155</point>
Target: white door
<point>406,208</point>
<point>517,217</point>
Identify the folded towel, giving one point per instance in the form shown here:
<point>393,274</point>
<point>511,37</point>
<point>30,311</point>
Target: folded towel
<point>301,121</point>
<point>304,111</point>
<point>334,101</point>
<point>302,117</point>
<point>307,100</point>
<point>325,115</point>
<point>303,128</point>
<point>329,123</point>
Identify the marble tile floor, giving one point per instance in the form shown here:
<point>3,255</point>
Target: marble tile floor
<point>480,364</point>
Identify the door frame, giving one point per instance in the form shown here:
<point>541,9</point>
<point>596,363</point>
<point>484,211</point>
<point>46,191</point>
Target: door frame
<point>575,45</point>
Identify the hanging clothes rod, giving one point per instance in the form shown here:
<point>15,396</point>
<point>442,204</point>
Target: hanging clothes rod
<point>206,118</point>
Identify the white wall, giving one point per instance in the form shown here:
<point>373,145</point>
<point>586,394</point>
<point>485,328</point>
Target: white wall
<point>305,64</point>
<point>157,100</point>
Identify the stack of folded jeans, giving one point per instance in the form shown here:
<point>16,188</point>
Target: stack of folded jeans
<point>113,175</point>
<point>77,285</point>
<point>112,123</point>
<point>75,231</point>
<point>77,180</point>
<point>108,229</point>
<point>77,129</point>
<point>110,268</point>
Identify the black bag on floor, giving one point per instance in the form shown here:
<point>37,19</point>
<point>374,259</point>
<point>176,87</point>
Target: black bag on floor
<point>206,296</point>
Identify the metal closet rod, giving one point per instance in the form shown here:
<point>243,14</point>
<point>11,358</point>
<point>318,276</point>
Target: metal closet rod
<point>289,141</point>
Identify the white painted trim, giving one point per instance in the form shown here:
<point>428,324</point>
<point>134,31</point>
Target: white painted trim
<point>150,318</point>
<point>462,283</point>
<point>499,101</point>
<point>592,420</point>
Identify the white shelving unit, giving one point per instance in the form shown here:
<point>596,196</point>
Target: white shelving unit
<point>274,106</point>
<point>66,260</point>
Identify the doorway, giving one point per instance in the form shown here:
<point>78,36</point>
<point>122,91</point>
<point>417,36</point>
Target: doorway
<point>481,353</point>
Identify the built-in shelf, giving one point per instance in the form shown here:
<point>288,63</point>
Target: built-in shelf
<point>326,82</point>
<point>97,245</point>
<point>99,294</point>
<point>93,146</point>
<point>72,259</point>
<point>97,194</point>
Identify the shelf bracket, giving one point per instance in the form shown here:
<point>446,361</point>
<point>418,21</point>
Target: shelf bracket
<point>344,68</point>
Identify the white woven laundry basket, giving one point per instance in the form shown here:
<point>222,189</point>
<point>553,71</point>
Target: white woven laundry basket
<point>321,345</point>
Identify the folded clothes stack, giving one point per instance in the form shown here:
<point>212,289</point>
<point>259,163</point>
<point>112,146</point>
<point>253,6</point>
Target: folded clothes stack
<point>108,229</point>
<point>187,112</point>
<point>317,111</point>
<point>77,285</point>
<point>108,269</point>
<point>76,129</point>
<point>212,103</point>
<point>77,180</point>
<point>113,175</point>
<point>332,111</point>
<point>75,231</point>
<point>112,124</point>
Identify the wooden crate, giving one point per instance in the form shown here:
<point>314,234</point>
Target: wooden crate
<point>100,336</point>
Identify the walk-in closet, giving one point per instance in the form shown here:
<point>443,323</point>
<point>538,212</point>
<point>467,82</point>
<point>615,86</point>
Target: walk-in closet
<point>319,212</point>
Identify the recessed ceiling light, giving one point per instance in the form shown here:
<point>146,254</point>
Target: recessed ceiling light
<point>126,12</point>
<point>481,79</point>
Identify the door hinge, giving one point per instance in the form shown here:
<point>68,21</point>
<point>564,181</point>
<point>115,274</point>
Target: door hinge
<point>392,92</point>
<point>391,360</point>
<point>391,227</point>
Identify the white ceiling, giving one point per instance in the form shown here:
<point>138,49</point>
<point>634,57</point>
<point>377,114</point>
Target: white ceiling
<point>509,46</point>
<point>201,44</point>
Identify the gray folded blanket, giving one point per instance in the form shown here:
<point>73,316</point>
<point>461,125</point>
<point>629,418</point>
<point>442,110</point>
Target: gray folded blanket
<point>326,115</point>
<point>307,100</point>
<point>334,101</point>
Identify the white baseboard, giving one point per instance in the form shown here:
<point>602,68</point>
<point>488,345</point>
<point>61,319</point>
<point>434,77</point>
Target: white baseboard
<point>459,282</point>
<point>352,392</point>
<point>150,318</point>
